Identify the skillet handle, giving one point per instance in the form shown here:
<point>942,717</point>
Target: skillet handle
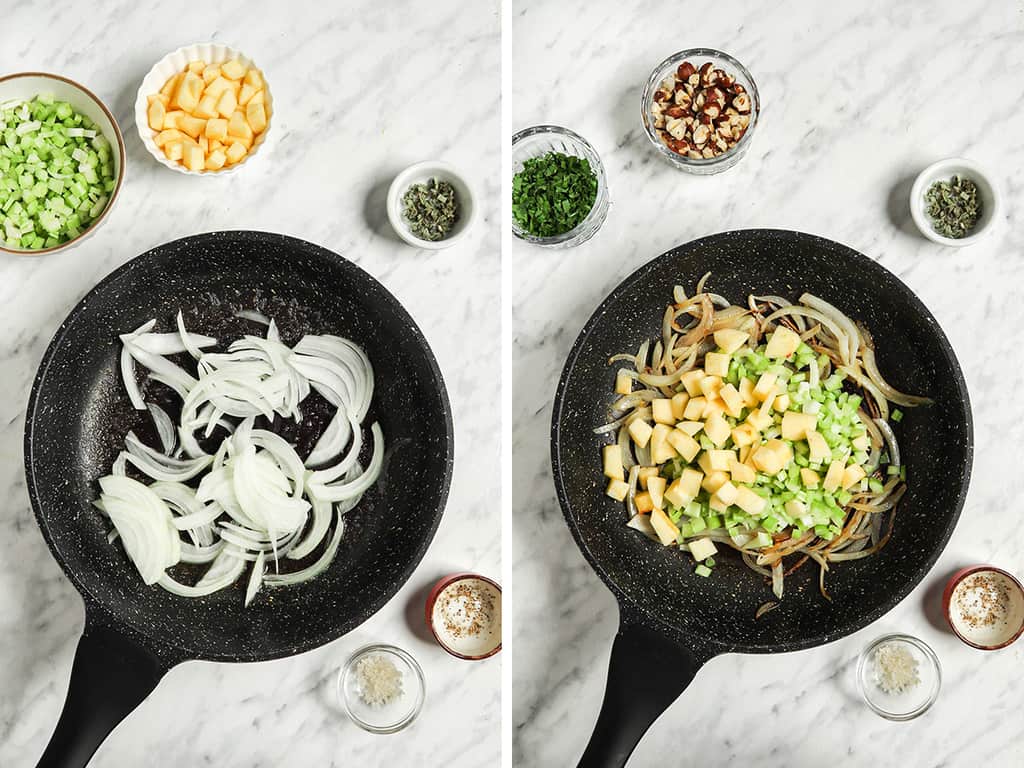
<point>647,673</point>
<point>110,677</point>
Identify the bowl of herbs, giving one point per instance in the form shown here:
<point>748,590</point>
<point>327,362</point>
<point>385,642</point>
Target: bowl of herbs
<point>430,205</point>
<point>559,189</point>
<point>954,202</point>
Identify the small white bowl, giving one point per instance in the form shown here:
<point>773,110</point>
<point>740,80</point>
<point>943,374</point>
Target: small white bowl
<point>943,170</point>
<point>28,85</point>
<point>420,173</point>
<point>172,64</point>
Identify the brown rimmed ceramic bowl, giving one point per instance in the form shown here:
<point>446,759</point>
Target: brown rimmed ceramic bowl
<point>481,645</point>
<point>1009,623</point>
<point>27,85</point>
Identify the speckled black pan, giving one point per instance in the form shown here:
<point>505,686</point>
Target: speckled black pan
<point>78,415</point>
<point>673,621</point>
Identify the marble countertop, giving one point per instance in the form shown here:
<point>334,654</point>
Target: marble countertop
<point>358,95</point>
<point>857,98</point>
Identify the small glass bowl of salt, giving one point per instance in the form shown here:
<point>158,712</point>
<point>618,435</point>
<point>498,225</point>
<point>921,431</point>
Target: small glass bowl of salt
<point>899,677</point>
<point>381,688</point>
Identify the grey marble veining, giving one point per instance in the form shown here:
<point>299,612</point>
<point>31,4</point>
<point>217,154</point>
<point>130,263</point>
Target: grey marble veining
<point>857,98</point>
<point>360,91</point>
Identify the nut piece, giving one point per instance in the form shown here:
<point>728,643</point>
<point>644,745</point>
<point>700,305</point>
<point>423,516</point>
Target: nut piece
<point>705,73</point>
<point>660,96</point>
<point>675,111</point>
<point>684,70</point>
<point>700,135</point>
<point>712,110</point>
<point>742,103</point>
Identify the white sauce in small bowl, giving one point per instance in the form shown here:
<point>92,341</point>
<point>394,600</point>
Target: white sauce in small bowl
<point>987,608</point>
<point>467,617</point>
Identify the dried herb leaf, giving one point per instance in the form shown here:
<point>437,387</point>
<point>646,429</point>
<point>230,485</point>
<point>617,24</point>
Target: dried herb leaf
<point>431,209</point>
<point>953,206</point>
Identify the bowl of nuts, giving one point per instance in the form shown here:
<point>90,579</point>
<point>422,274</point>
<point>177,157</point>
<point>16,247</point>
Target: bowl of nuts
<point>700,107</point>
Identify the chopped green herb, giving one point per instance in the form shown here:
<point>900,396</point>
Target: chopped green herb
<point>553,193</point>
<point>431,209</point>
<point>953,206</point>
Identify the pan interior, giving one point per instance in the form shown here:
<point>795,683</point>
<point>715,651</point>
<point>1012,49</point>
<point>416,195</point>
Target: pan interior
<point>79,415</point>
<point>913,354</point>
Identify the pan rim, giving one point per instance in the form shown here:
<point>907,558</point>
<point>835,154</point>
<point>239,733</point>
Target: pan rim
<point>713,646</point>
<point>139,631</point>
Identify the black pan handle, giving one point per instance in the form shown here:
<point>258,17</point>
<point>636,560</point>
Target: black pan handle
<point>111,676</point>
<point>647,673</point>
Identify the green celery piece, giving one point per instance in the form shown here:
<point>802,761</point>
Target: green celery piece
<point>702,570</point>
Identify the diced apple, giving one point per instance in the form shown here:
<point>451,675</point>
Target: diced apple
<point>237,126</point>
<point>254,78</point>
<point>189,90</point>
<point>714,406</point>
<point>665,528</point>
<point>721,460</point>
<point>165,100</point>
<point>173,118</point>
<point>861,442</point>
<point>623,381</point>
<point>765,387</point>
<point>204,144</point>
<point>704,462</point>
<point>216,87</point>
<point>732,399</point>
<point>689,482</point>
<point>702,549</point>
<point>645,474</point>
<point>661,448</point>
<point>227,103</point>
<point>772,457</point>
<point>680,492</point>
<point>171,87</point>
<point>690,427</point>
<point>683,444</point>
<point>782,344</point>
<point>727,493</point>
<point>819,450</point>
<point>206,108</point>
<point>716,364</point>
<point>644,502</point>
<point>758,420</point>
<point>259,98</point>
<point>174,151</point>
<point>717,429</point>
<point>235,152</point>
<point>747,393</point>
<point>196,66</point>
<point>640,431</point>
<point>741,473</point>
<point>246,94</point>
<point>695,408</point>
<point>216,128</point>
<point>717,505</point>
<point>749,501</point>
<point>691,381</point>
<point>165,136</point>
<point>795,508</point>
<point>215,145</point>
<point>195,158</point>
<point>795,426</point>
<point>714,480</point>
<point>617,489</point>
<point>233,70</point>
<point>613,462</point>
<point>661,409</point>
<point>679,401</point>
<point>745,434</point>
<point>210,73</point>
<point>193,126</point>
<point>852,475</point>
<point>765,409</point>
<point>730,339</point>
<point>710,385</point>
<point>256,116</point>
<point>155,114</point>
<point>656,487</point>
<point>809,477</point>
<point>834,476</point>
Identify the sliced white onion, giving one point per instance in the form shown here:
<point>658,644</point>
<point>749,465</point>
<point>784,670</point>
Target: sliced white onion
<point>255,578</point>
<point>144,525</point>
<point>252,314</point>
<point>164,428</point>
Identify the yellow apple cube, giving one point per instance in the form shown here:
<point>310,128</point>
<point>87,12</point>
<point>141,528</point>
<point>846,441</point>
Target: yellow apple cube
<point>716,364</point>
<point>233,70</point>
<point>679,401</point>
<point>691,381</point>
<point>617,489</point>
<point>640,431</point>
<point>156,114</point>
<point>782,344</point>
<point>683,444</point>
<point>623,381</point>
<point>749,501</point>
<point>795,426</point>
<point>656,487</point>
<point>717,430</point>
<point>665,528</point>
<point>195,158</point>
<point>235,152</point>
<point>661,409</point>
<point>730,339</point>
<point>613,462</point>
<point>256,116</point>
<point>216,128</point>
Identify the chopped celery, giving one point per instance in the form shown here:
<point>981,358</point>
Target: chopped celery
<point>896,415</point>
<point>702,570</point>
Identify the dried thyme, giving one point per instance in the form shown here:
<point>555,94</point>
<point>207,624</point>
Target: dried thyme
<point>431,209</point>
<point>553,193</point>
<point>953,206</point>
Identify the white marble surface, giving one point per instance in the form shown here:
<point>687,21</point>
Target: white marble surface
<point>857,98</point>
<point>361,90</point>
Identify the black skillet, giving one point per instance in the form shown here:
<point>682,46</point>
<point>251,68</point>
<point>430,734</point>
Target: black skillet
<point>671,621</point>
<point>78,415</point>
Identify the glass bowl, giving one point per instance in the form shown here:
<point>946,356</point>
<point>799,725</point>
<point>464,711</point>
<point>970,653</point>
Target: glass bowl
<point>541,139</point>
<point>698,56</point>
<point>391,717</point>
<point>907,704</point>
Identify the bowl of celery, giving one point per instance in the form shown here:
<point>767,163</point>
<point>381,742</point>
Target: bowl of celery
<point>62,161</point>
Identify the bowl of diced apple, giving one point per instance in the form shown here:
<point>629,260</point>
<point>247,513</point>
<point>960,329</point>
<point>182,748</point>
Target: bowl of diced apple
<point>204,109</point>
